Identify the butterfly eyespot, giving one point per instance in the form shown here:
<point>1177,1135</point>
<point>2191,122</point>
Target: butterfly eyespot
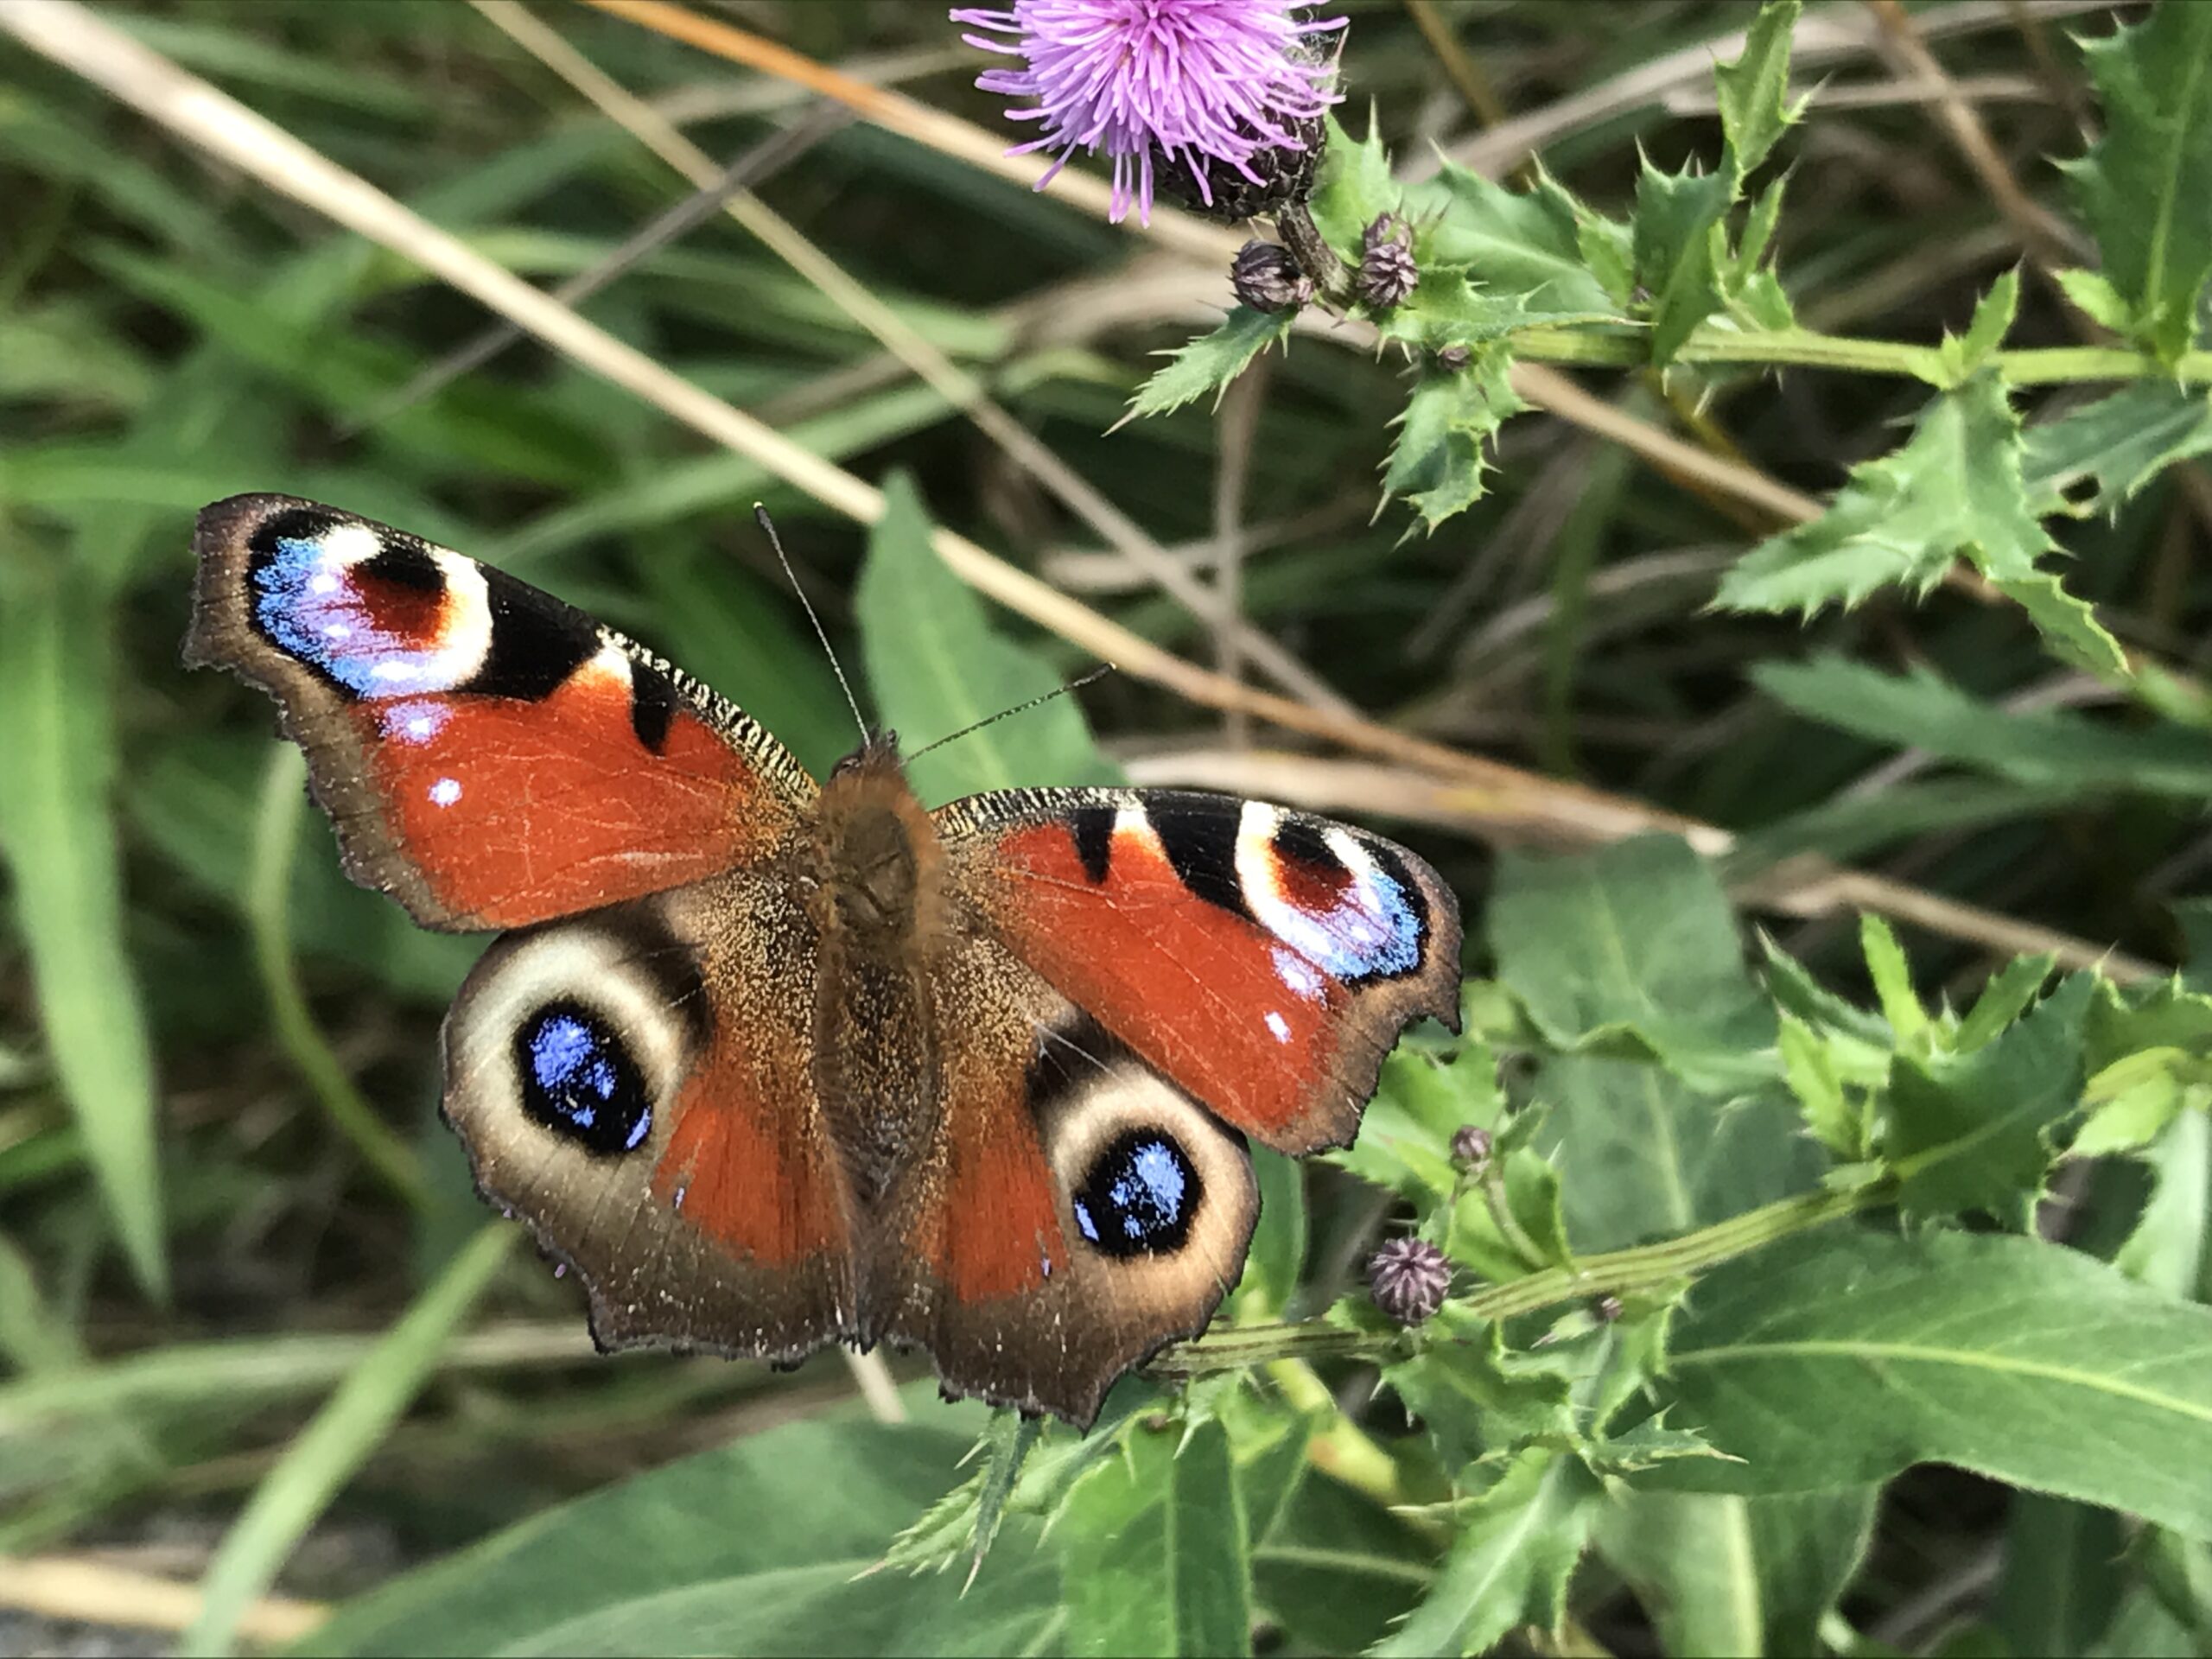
<point>1139,1196</point>
<point>578,1081</point>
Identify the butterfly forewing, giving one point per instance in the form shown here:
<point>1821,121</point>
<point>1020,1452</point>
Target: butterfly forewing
<point>489,755</point>
<point>1262,959</point>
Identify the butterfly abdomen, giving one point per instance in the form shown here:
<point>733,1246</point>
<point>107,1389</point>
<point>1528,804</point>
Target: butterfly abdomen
<point>878,900</point>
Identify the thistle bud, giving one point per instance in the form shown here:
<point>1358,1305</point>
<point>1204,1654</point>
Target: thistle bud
<point>1409,1279</point>
<point>1470,1147</point>
<point>1387,270</point>
<point>1266,278</point>
<point>1452,359</point>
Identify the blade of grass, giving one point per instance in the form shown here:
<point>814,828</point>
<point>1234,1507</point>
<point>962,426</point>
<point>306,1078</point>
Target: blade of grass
<point>276,835</point>
<point>340,1438</point>
<point>60,840</point>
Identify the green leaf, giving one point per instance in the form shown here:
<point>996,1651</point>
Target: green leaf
<point>2145,187</point>
<point>1153,1558</point>
<point>1511,1561</point>
<point>1753,110</point>
<point>2043,746</point>
<point>1405,1136</point>
<point>1677,216</point>
<point>2003,1000</point>
<point>1892,977</point>
<point>1437,463</point>
<point>341,1437</point>
<point>1743,1575</point>
<point>641,1566</point>
<point>2096,297</point>
<point>1338,1570</point>
<point>1636,939</point>
<point>1208,363</point>
<point>1448,308</point>
<point>2068,626</point>
<point>2063,1575</point>
<point>1276,1261</point>
<point>2119,443</point>
<point>1991,321</point>
<point>1972,1131</point>
<point>1830,1360</point>
<point>1532,244</point>
<point>1353,186</point>
<point>1849,827</point>
<point>1953,492</point>
<point>1474,1396</point>
<point>937,666</point>
<point>1642,1153</point>
<point>1608,247</point>
<point>57,830</point>
<point>1809,1065</point>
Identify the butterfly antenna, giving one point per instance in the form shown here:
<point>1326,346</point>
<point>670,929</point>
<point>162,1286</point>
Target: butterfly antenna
<point>1097,673</point>
<point>768,529</point>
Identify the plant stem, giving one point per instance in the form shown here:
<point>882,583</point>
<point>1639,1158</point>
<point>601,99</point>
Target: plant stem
<point>1617,1273</point>
<point>1624,346</point>
<point>1331,277</point>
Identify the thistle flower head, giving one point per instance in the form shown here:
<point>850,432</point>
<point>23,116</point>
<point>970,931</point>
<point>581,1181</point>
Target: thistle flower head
<point>1196,83</point>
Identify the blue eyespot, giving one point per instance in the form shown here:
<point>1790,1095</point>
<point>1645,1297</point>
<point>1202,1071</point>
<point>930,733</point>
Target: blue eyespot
<point>1138,1197</point>
<point>578,1081</point>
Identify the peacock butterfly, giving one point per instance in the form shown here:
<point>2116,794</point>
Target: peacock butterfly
<point>775,1064</point>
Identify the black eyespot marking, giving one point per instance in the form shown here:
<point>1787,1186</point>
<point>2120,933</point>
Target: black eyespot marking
<point>1140,1196</point>
<point>536,642</point>
<point>292,524</point>
<point>1198,834</point>
<point>405,563</point>
<point>1093,829</point>
<point>578,1081</point>
<point>1301,841</point>
<point>652,705</point>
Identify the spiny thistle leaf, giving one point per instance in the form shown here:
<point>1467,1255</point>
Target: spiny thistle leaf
<point>1208,363</point>
<point>2118,444</point>
<point>1437,464</point>
<point>1955,490</point>
<point>1678,219</point>
<point>1753,111</point>
<point>2145,187</point>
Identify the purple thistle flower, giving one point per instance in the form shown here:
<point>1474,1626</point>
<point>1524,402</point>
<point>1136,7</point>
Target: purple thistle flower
<point>1203,82</point>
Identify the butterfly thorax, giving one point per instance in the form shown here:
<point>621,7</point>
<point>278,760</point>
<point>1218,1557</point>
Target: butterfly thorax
<point>878,904</point>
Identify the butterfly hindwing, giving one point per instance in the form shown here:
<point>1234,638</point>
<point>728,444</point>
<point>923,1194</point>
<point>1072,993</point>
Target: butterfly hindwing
<point>489,755</point>
<point>1261,959</point>
<point>1073,1213</point>
<point>637,1084</point>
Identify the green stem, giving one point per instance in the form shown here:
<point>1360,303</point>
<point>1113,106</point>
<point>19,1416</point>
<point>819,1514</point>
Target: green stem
<point>1617,1273</point>
<point>276,832</point>
<point>1331,277</point>
<point>1626,345</point>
